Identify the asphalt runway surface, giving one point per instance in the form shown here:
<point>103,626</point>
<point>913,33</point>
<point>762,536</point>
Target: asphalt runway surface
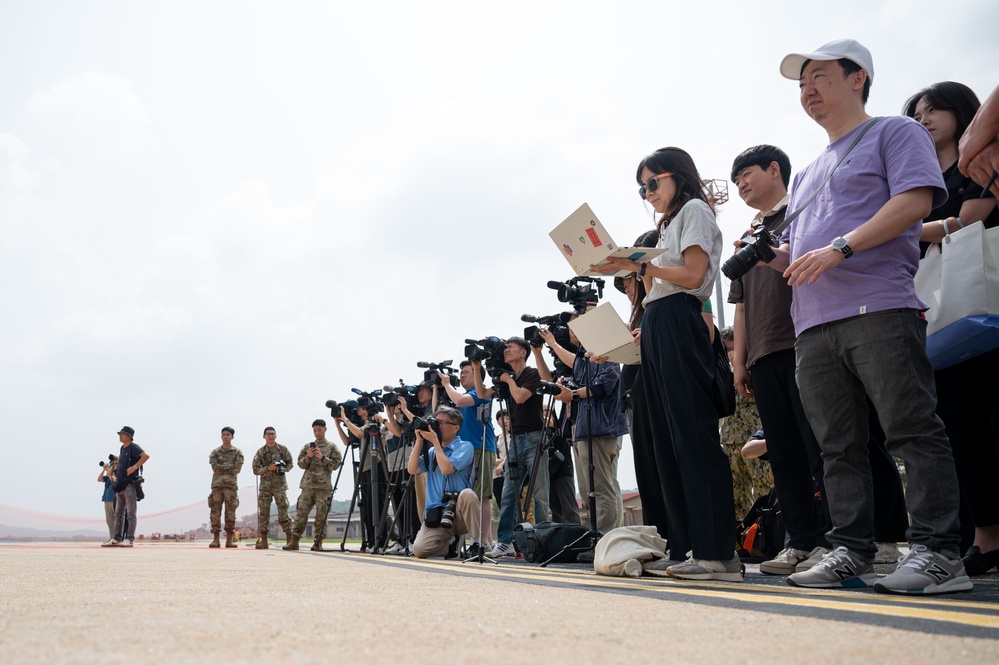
<point>185,603</point>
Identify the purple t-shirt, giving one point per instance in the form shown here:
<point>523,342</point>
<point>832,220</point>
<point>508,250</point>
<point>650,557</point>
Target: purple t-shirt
<point>895,156</point>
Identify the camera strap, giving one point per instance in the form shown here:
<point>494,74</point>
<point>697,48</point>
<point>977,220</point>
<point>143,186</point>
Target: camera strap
<point>779,229</point>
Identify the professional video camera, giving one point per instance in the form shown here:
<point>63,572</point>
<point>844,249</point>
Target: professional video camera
<point>580,292</point>
<point>760,248</point>
<point>548,388</point>
<point>112,458</point>
<point>349,408</point>
<point>431,375</point>
<point>370,401</point>
<point>557,325</point>
<point>490,351</point>
<point>402,393</point>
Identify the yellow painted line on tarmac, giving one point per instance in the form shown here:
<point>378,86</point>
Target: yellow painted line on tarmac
<point>900,606</point>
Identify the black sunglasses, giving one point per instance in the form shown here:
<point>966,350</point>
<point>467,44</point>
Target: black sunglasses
<point>652,185</point>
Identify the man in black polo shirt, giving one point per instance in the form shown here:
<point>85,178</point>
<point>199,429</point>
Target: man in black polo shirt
<point>130,459</point>
<point>526,425</point>
<point>764,362</point>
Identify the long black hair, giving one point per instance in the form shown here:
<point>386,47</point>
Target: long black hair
<point>957,98</point>
<point>685,177</point>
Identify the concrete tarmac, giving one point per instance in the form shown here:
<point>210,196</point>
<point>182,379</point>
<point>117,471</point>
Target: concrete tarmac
<point>185,603</point>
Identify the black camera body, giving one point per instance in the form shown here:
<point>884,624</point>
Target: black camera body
<point>490,351</point>
<point>349,408</point>
<point>756,246</point>
<point>112,458</point>
<point>426,424</point>
<point>548,388</point>
<point>580,292</point>
<point>281,466</point>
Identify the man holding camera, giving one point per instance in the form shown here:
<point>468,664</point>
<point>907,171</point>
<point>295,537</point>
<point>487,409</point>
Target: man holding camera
<point>527,426</point>
<point>452,507</point>
<point>472,429</point>
<point>226,462</point>
<point>270,464</point>
<point>132,457</point>
<point>107,476</point>
<point>319,459</point>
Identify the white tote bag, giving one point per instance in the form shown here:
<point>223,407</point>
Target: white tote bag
<point>959,280</point>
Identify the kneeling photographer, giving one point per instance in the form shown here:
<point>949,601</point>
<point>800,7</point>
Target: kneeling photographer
<point>452,507</point>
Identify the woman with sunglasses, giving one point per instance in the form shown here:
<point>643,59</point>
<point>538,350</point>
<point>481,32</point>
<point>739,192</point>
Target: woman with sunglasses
<point>678,371</point>
<point>966,392</point>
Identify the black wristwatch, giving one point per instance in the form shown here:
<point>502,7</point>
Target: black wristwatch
<point>841,245</point>
<point>575,395</point>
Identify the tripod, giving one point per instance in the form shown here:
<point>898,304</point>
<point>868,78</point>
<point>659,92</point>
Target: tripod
<point>372,444</point>
<point>591,506</point>
<point>401,503</point>
<point>485,417</point>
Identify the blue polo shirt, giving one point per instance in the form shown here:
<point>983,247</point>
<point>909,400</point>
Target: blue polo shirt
<point>460,454</point>
<point>471,426</point>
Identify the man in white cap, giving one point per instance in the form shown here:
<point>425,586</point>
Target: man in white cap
<point>850,257</point>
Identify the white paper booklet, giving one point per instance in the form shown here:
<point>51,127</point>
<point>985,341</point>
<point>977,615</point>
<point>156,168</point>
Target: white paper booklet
<point>584,241</point>
<point>603,333</point>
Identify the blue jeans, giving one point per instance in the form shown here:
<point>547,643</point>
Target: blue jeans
<point>519,462</point>
<point>881,356</point>
<point>125,505</point>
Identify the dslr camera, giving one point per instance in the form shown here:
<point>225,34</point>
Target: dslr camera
<point>281,466</point>
<point>450,500</point>
<point>756,246</point>
<point>112,458</point>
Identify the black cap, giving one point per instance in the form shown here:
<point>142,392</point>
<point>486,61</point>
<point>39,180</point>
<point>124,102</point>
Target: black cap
<point>127,430</point>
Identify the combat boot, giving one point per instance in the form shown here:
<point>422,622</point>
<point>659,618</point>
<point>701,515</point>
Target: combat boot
<point>292,545</point>
<point>215,543</point>
<point>261,541</point>
<point>318,546</point>
<point>228,540</point>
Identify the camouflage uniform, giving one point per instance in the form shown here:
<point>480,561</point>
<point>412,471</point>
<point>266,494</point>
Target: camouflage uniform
<point>751,478</point>
<point>272,486</point>
<point>316,487</point>
<point>225,488</point>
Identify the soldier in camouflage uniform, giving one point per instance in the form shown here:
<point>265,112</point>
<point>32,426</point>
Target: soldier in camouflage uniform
<point>319,459</point>
<point>226,462</point>
<point>273,485</point>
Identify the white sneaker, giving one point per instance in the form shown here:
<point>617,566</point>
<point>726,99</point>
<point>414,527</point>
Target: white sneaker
<point>501,549</point>
<point>126,543</point>
<point>887,553</point>
<point>784,563</point>
<point>814,557</point>
<point>396,549</point>
<point>111,543</point>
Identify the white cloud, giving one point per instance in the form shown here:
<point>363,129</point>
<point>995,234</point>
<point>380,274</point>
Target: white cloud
<point>99,105</point>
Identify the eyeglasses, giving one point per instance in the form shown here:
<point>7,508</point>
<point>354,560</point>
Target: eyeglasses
<point>652,185</point>
<point>446,422</point>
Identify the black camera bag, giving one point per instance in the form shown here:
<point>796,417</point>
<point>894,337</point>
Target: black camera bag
<point>432,518</point>
<point>760,534</point>
<point>539,542</point>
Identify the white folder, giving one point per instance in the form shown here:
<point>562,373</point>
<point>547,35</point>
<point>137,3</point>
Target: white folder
<point>603,333</point>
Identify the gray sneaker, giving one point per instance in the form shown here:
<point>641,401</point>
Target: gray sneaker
<point>887,553</point>
<point>840,569</point>
<point>784,563</point>
<point>814,557</point>
<point>922,571</point>
<point>658,567</point>
<point>704,569</point>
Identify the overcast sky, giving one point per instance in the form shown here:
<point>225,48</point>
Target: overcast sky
<point>227,213</point>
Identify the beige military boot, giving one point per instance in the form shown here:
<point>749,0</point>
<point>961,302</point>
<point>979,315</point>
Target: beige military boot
<point>261,541</point>
<point>318,546</point>
<point>228,540</point>
<point>292,545</point>
<point>215,543</point>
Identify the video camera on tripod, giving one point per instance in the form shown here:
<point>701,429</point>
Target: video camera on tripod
<point>580,292</point>
<point>402,394</point>
<point>349,408</point>
<point>557,326</point>
<point>490,351</point>
<point>432,377</point>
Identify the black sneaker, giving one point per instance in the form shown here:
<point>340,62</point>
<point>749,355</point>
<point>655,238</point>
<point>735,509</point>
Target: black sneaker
<point>452,549</point>
<point>474,550</point>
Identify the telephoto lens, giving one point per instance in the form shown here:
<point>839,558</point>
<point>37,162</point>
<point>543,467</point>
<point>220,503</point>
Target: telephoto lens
<point>447,517</point>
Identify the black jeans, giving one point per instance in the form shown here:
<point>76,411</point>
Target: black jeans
<point>792,449</point>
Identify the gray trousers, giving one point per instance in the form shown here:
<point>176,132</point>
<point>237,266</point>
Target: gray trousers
<point>125,505</point>
<point>610,509</point>
<point>881,356</point>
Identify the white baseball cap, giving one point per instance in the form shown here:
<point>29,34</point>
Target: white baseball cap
<point>851,49</point>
